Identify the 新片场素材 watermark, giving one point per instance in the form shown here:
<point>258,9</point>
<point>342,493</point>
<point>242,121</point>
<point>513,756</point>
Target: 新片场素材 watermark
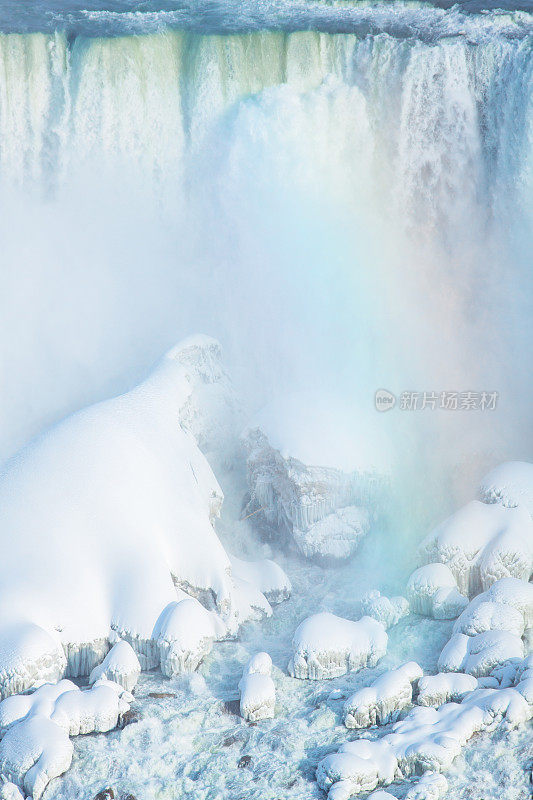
<point>444,400</point>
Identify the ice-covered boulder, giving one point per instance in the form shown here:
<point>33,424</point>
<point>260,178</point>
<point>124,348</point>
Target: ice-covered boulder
<point>381,794</point>
<point>264,575</point>
<point>121,666</point>
<point>10,791</point>
<point>432,590</point>
<point>116,506</point>
<point>431,786</point>
<point>446,687</point>
<point>384,699</point>
<point>185,633</point>
<point>482,543</point>
<point>356,767</point>
<point>326,646</point>
<point>510,484</point>
<point>385,610</point>
<point>42,700</point>
<point>479,655</point>
<point>258,692</point>
<point>507,605</point>
<point>314,472</point>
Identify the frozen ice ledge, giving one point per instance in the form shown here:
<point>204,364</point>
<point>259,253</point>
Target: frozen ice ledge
<point>107,524</point>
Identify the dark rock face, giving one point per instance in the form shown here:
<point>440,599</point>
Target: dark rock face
<point>106,794</point>
<point>127,719</point>
<point>228,741</point>
<point>232,707</point>
<point>244,761</point>
<point>160,696</point>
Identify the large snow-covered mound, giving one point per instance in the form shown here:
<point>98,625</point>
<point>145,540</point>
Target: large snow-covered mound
<point>316,472</point>
<point>510,484</point>
<point>106,516</point>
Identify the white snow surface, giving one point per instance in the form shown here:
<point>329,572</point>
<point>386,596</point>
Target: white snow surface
<point>510,484</point>
<point>115,505</point>
<point>445,687</point>
<point>388,611</point>
<point>431,786</point>
<point>432,591</point>
<point>336,536</point>
<point>478,655</point>
<point>326,646</point>
<point>185,633</point>
<point>384,700</point>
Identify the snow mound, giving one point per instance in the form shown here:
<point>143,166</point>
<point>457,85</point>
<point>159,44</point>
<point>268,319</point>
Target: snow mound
<point>121,666</point>
<point>431,786</point>
<point>446,687</point>
<point>185,633</point>
<point>357,767</point>
<point>36,747</point>
<point>9,791</point>
<point>258,693</point>
<point>510,484</point>
<point>387,611</point>
<point>482,543</point>
<point>265,576</point>
<point>507,605</point>
<point>313,477</point>
<point>384,699</point>
<point>478,655</point>
<point>126,475</point>
<point>326,646</point>
<point>381,794</point>
<point>432,591</point>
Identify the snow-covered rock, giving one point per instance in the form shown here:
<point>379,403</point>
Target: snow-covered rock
<point>121,666</point>
<point>385,610</point>
<point>482,543</point>
<point>326,646</point>
<point>10,791</point>
<point>258,692</point>
<point>510,484</point>
<point>431,786</point>
<point>507,605</point>
<point>115,505</point>
<point>479,655</point>
<point>41,701</point>
<point>314,471</point>
<point>384,699</point>
<point>381,794</point>
<point>185,633</point>
<point>264,575</point>
<point>446,687</point>
<point>356,767</point>
<point>432,590</point>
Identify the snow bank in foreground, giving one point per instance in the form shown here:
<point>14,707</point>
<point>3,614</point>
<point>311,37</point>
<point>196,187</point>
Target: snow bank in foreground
<point>36,746</point>
<point>116,506</point>
<point>258,693</point>
<point>326,646</point>
<point>384,699</point>
<point>314,473</point>
<point>426,741</point>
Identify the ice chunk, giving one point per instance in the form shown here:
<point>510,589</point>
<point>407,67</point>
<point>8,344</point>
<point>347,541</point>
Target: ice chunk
<point>326,646</point>
<point>478,655</point>
<point>121,665</point>
<point>432,590</point>
<point>33,752</point>
<point>265,575</point>
<point>507,605</point>
<point>384,699</point>
<point>357,766</point>
<point>431,786</point>
<point>185,633</point>
<point>41,701</point>
<point>96,710</point>
<point>29,655</point>
<point>314,471</point>
<point>482,543</point>
<point>510,484</point>
<point>380,794</point>
<point>435,690</point>
<point>385,610</point>
<point>258,693</point>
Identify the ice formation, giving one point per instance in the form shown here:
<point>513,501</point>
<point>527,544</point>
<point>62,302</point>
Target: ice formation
<point>482,543</point>
<point>385,610</point>
<point>121,666</point>
<point>432,590</point>
<point>10,791</point>
<point>258,692</point>
<point>426,741</point>
<point>384,699</point>
<point>36,746</point>
<point>311,481</point>
<point>478,655</point>
<point>510,484</point>
<point>326,646</point>
<point>446,687</point>
<point>185,633</point>
<point>431,786</point>
<point>126,475</point>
